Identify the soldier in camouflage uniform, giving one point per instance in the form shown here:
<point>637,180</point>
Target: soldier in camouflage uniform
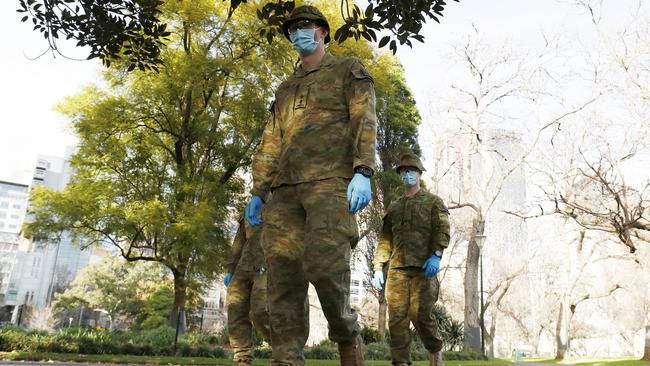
<point>415,233</point>
<point>246,281</point>
<point>317,156</point>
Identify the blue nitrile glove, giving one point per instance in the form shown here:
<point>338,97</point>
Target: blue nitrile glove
<point>226,280</point>
<point>379,280</point>
<point>431,266</point>
<point>253,210</point>
<point>359,192</point>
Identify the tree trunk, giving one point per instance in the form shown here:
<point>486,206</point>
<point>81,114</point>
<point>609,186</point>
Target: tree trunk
<point>489,336</point>
<point>562,331</point>
<point>180,297</point>
<point>381,317</point>
<point>646,353</point>
<point>472,331</point>
<point>489,345</point>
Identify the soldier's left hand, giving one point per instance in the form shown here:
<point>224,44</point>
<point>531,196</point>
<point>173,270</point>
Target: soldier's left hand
<point>227,279</point>
<point>431,266</point>
<point>359,192</point>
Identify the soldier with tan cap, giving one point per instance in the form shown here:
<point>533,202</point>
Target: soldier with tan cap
<point>414,235</point>
<point>317,156</point>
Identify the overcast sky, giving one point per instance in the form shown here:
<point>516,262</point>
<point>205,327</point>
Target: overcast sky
<point>31,88</point>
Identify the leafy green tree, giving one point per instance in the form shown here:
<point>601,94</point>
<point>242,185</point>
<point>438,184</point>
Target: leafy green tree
<point>114,286</point>
<point>155,309</point>
<point>136,30</point>
<point>155,172</point>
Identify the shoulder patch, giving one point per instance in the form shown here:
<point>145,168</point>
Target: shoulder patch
<point>360,72</point>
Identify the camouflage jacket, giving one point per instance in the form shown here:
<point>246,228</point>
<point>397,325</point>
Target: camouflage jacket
<point>414,227</point>
<point>323,124</point>
<point>246,252</point>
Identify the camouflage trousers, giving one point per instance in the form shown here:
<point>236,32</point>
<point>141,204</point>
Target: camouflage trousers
<point>307,238</point>
<point>246,302</point>
<point>410,298</point>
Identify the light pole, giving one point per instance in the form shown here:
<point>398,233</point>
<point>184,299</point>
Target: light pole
<point>479,238</point>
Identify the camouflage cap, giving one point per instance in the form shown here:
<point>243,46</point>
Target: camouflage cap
<point>306,12</point>
<point>409,159</point>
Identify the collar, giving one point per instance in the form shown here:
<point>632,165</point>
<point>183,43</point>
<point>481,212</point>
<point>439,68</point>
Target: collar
<point>418,193</point>
<point>327,61</point>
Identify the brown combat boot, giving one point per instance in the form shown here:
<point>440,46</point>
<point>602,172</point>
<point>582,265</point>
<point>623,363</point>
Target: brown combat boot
<point>435,359</point>
<point>352,353</point>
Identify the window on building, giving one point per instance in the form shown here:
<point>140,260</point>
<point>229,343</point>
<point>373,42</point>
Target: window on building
<point>355,283</point>
<point>3,215</point>
<point>354,299</point>
<point>2,225</point>
<point>17,207</point>
<point>15,217</point>
<point>354,291</point>
<point>12,226</point>
<point>4,204</point>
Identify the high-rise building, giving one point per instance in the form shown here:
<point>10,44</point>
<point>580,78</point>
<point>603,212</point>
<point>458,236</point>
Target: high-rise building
<point>38,269</point>
<point>13,201</point>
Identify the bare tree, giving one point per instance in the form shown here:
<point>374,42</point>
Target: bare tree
<point>498,93</point>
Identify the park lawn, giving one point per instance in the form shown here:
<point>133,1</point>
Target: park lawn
<point>621,361</point>
<point>75,357</point>
<point>165,360</point>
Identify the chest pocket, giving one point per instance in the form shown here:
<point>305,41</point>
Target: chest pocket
<point>421,217</point>
<point>301,96</point>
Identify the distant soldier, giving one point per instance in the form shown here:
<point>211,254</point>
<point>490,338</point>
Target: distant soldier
<point>317,156</point>
<point>246,282</point>
<point>414,235</point>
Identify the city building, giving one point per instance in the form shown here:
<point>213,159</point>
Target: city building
<point>32,272</point>
<point>13,202</point>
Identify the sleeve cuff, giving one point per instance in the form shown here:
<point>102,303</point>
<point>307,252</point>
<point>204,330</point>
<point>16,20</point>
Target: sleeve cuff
<point>260,193</point>
<point>367,163</point>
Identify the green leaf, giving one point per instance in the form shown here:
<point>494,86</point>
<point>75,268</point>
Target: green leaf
<point>384,41</point>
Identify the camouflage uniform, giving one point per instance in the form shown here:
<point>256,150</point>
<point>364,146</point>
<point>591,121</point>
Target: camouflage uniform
<point>247,292</point>
<point>322,125</point>
<point>414,228</point>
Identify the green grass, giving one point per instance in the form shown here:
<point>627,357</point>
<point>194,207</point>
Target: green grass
<point>621,361</point>
<point>165,360</point>
<point>492,362</point>
<point>74,357</point>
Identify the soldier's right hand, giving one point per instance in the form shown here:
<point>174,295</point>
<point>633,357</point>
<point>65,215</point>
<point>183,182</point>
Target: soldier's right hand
<point>253,210</point>
<point>379,280</point>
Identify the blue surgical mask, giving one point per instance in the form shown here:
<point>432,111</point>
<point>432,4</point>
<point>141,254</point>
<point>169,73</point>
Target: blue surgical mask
<point>303,41</point>
<point>409,177</point>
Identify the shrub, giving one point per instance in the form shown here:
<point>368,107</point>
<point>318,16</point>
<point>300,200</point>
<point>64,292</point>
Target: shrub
<point>131,349</point>
<point>326,350</point>
<point>194,339</point>
<point>222,336</point>
<point>371,335</point>
<point>212,339</point>
<point>262,352</point>
<point>157,338</point>
<point>202,351</point>
<point>89,347</point>
<point>220,352</point>
<point>165,351</point>
<point>463,356</point>
<point>377,351</point>
<point>14,339</point>
<point>184,349</point>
